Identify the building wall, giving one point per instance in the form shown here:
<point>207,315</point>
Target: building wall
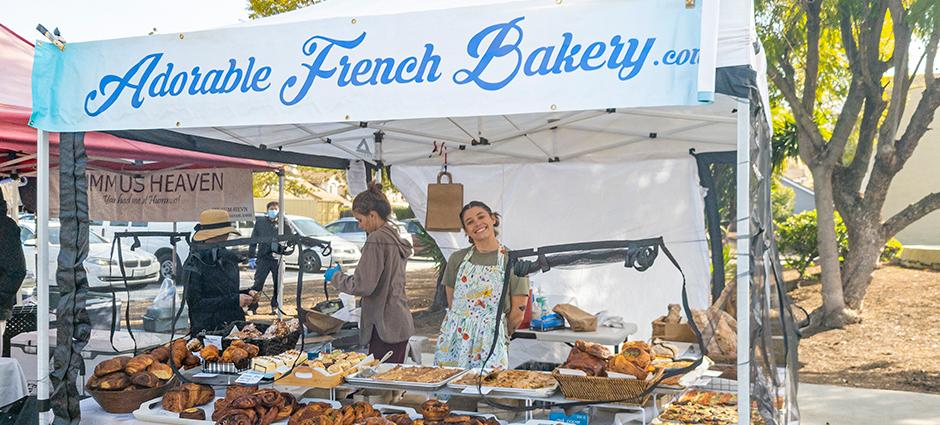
<point>321,211</point>
<point>919,177</point>
<point>803,199</point>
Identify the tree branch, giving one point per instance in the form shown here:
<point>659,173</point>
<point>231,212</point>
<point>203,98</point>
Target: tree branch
<point>846,121</point>
<point>910,214</point>
<point>811,67</point>
<point>804,118</point>
<point>889,128</point>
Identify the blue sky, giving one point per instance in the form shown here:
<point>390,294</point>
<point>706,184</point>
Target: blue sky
<point>84,20</point>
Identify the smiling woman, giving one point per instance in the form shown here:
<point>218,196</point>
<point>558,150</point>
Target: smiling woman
<point>474,280</point>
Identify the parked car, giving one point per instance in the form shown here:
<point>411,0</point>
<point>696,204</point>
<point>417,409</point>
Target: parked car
<point>140,267</point>
<point>345,253</point>
<point>348,228</point>
<point>158,246</point>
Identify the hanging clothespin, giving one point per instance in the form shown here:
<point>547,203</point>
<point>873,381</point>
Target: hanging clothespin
<point>54,36</point>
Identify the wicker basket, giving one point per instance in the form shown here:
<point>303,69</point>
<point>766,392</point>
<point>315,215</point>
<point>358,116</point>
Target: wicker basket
<point>128,401</point>
<point>594,388</point>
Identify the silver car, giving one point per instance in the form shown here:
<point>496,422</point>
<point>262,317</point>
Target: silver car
<point>345,253</point>
<point>348,228</point>
<point>102,271</point>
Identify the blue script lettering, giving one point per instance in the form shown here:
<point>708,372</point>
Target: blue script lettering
<point>169,83</point>
<point>352,72</point>
<point>500,56</point>
<point>497,48</point>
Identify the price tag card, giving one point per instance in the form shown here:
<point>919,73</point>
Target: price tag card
<point>215,340</point>
<point>250,377</point>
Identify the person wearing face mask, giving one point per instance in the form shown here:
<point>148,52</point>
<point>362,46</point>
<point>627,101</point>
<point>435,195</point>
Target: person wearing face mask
<point>379,278</point>
<point>474,283</point>
<point>260,256</point>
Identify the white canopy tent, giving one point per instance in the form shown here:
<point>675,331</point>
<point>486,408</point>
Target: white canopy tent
<point>574,119</point>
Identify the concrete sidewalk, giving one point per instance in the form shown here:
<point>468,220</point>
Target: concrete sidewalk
<point>822,404</point>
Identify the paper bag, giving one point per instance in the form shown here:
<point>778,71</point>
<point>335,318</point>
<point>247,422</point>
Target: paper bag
<point>580,320</point>
<point>444,203</point>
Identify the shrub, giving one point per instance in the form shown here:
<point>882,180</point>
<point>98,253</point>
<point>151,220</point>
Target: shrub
<point>781,200</point>
<point>891,251</point>
<point>796,238</point>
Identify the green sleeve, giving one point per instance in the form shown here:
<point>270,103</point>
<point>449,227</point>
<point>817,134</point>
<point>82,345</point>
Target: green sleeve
<point>453,265</point>
<point>518,285</point>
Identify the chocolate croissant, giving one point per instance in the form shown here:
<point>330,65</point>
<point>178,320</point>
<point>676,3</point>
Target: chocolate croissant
<point>110,366</point>
<point>176,401</point>
<point>198,394</point>
<point>138,364</point>
<point>114,382</point>
<point>146,379</point>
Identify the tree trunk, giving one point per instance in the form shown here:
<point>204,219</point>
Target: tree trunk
<point>865,246</point>
<point>833,313</point>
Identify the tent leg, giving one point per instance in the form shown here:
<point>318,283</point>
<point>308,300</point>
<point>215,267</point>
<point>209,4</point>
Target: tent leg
<point>42,275</point>
<point>744,262</point>
<point>280,231</point>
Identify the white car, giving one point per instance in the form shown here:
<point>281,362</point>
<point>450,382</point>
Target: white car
<point>103,272</point>
<point>348,228</point>
<point>345,253</point>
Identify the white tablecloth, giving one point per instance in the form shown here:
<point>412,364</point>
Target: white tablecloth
<point>93,414</point>
<point>13,381</point>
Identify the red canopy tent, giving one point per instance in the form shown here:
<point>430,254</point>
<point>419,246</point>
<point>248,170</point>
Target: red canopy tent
<point>18,139</point>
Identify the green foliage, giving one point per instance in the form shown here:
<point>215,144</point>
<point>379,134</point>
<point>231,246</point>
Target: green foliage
<point>730,259</point>
<point>891,251</point>
<point>781,200</point>
<point>403,213</point>
<point>265,184</point>
<point>262,8</point>
<point>784,143</point>
<point>796,238</point>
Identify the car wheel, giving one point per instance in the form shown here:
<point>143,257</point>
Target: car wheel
<point>310,261</point>
<point>166,264</point>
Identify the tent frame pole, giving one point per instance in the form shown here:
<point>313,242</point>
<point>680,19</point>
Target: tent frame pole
<point>42,275</point>
<point>280,231</point>
<point>744,262</point>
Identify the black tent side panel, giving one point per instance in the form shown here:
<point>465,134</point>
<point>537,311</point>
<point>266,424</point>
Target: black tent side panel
<point>189,142</point>
<point>74,327</point>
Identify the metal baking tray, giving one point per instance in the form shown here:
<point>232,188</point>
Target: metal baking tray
<point>356,379</point>
<point>520,392</point>
<point>152,411</point>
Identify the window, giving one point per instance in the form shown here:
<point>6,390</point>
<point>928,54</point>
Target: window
<point>335,227</point>
<point>26,234</point>
<point>95,223</point>
<point>138,224</point>
<point>119,224</point>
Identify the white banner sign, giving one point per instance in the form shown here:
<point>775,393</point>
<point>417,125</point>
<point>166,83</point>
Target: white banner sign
<point>516,57</point>
<point>165,196</point>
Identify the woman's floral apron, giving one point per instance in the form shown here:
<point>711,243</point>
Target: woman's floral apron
<point>467,331</point>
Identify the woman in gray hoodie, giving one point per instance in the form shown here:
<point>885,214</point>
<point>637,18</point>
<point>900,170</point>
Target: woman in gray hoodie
<point>379,278</point>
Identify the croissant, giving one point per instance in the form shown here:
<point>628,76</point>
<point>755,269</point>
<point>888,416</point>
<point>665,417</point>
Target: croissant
<point>252,349</point>
<point>190,361</point>
<point>161,354</point>
<point>178,352</point>
<point>593,349</point>
<point>637,352</point>
<point>621,364</point>
<point>161,371</point>
<point>138,364</point>
<point>235,355</point>
<point>114,382</point>
<point>210,353</point>
<point>110,366</point>
<point>198,394</point>
<point>176,401</point>
<point>146,379</point>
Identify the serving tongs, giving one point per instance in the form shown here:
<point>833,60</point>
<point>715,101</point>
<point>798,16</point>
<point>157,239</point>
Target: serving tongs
<point>370,371</point>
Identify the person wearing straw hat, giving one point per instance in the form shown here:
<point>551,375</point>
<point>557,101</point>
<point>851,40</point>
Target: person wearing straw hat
<point>212,272</point>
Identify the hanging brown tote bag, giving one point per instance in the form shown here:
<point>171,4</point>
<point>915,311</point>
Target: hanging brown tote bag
<point>444,203</point>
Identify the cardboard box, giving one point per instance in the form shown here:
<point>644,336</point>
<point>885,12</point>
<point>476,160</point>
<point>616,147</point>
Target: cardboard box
<point>679,332</point>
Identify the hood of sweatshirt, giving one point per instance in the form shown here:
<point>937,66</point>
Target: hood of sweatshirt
<point>404,246</point>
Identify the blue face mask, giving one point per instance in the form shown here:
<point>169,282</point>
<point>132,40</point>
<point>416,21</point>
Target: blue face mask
<point>272,213</point>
